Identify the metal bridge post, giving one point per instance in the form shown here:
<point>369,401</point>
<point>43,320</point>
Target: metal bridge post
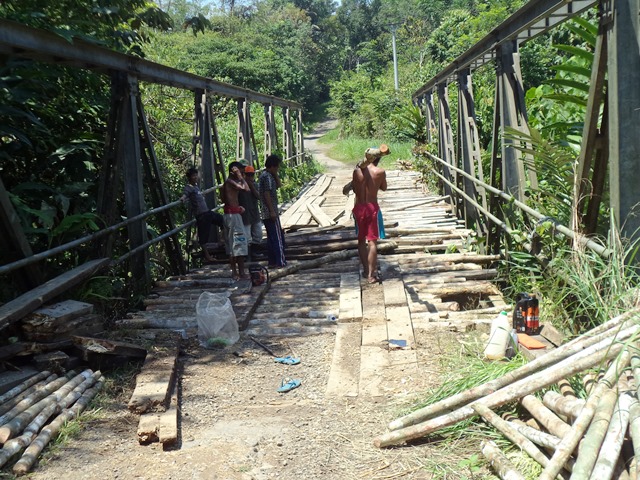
<point>429,116</point>
<point>128,150</point>
<point>287,132</point>
<point>299,137</point>
<point>594,148</point>
<point>270,131</point>
<point>203,146</point>
<point>446,146</point>
<point>517,167</point>
<point>470,147</point>
<point>244,131</point>
<point>624,115</point>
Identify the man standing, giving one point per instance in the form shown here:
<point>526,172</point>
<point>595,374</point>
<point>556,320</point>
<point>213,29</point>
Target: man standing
<point>367,180</point>
<point>251,216</point>
<point>268,184</point>
<point>205,218</point>
<point>235,238</point>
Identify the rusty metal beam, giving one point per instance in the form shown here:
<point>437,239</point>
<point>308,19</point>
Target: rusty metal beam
<point>27,42</point>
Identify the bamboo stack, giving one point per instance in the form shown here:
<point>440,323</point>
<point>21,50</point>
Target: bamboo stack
<point>26,410</point>
<point>594,439</point>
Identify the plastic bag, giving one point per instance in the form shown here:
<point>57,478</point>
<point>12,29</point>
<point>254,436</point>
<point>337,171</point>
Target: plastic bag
<point>217,324</point>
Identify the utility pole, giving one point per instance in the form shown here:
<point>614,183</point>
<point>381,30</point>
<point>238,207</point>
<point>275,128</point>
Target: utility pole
<point>395,55</point>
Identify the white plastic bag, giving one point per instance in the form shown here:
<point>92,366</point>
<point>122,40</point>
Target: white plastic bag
<point>217,324</point>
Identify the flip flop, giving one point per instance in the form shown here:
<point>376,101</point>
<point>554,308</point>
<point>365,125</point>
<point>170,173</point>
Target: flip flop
<point>287,360</point>
<point>290,385</point>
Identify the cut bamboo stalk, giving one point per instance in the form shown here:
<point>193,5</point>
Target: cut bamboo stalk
<point>10,404</point>
<point>537,436</point>
<point>568,406</point>
<point>512,434</point>
<point>567,367</point>
<point>18,389</point>
<point>28,459</point>
<point>583,347</point>
<point>18,423</point>
<point>33,398</point>
<point>544,416</point>
<point>14,445</point>
<point>572,438</point>
<point>500,462</point>
<point>595,435</point>
<point>566,390</point>
<point>612,444</point>
<point>634,432</point>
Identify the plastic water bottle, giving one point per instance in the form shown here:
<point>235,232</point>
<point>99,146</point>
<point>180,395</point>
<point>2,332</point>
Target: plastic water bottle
<point>499,337</point>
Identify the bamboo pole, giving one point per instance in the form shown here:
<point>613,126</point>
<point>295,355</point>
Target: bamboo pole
<point>14,445</point>
<point>512,434</point>
<point>10,404</point>
<point>500,462</point>
<point>18,423</point>
<point>585,346</point>
<point>571,439</point>
<point>29,457</point>
<point>518,389</point>
<point>611,446</point>
<point>595,435</point>
<point>634,432</point>
<point>33,398</point>
<point>537,436</point>
<point>568,406</point>
<point>18,389</point>
<point>544,416</point>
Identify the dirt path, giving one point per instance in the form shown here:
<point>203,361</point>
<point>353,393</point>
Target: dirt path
<point>234,424</point>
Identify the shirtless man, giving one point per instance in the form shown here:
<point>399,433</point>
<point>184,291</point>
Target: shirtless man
<point>235,239</point>
<point>367,180</point>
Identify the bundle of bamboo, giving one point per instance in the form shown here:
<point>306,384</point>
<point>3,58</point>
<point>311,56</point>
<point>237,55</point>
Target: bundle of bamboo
<point>598,424</point>
<point>26,409</point>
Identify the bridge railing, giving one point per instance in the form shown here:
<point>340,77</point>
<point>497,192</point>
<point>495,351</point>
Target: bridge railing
<point>612,144</point>
<point>130,168</point>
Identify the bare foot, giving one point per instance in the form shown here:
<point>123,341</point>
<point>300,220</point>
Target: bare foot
<point>371,280</point>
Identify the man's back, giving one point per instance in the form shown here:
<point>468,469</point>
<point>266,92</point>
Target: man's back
<point>367,182</point>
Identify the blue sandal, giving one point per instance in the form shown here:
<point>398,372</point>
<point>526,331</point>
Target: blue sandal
<point>287,360</point>
<point>289,385</point>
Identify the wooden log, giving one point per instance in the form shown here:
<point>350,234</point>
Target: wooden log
<point>332,257</point>
<point>18,389</point>
<point>566,390</point>
<point>595,435</point>
<point>612,445</point>
<point>571,439</point>
<point>544,416</point>
<point>14,310</point>
<point>512,434</point>
<point>568,406</point>
<point>591,343</point>
<point>567,367</point>
<point>18,423</point>
<point>25,464</point>
<point>111,347</point>
<point>499,462</point>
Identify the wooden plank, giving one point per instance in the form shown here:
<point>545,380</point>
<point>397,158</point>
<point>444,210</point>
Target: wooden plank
<point>148,428</point>
<point>373,362</point>
<point>399,325</point>
<point>345,364</point>
<point>374,334</point>
<point>350,298</point>
<point>110,347</point>
<point>14,310</point>
<point>168,421</point>
<point>319,216</point>
<point>394,293</point>
<point>154,381</point>
<point>54,316</point>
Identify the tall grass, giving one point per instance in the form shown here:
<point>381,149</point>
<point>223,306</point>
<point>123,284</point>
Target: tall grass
<point>350,150</point>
